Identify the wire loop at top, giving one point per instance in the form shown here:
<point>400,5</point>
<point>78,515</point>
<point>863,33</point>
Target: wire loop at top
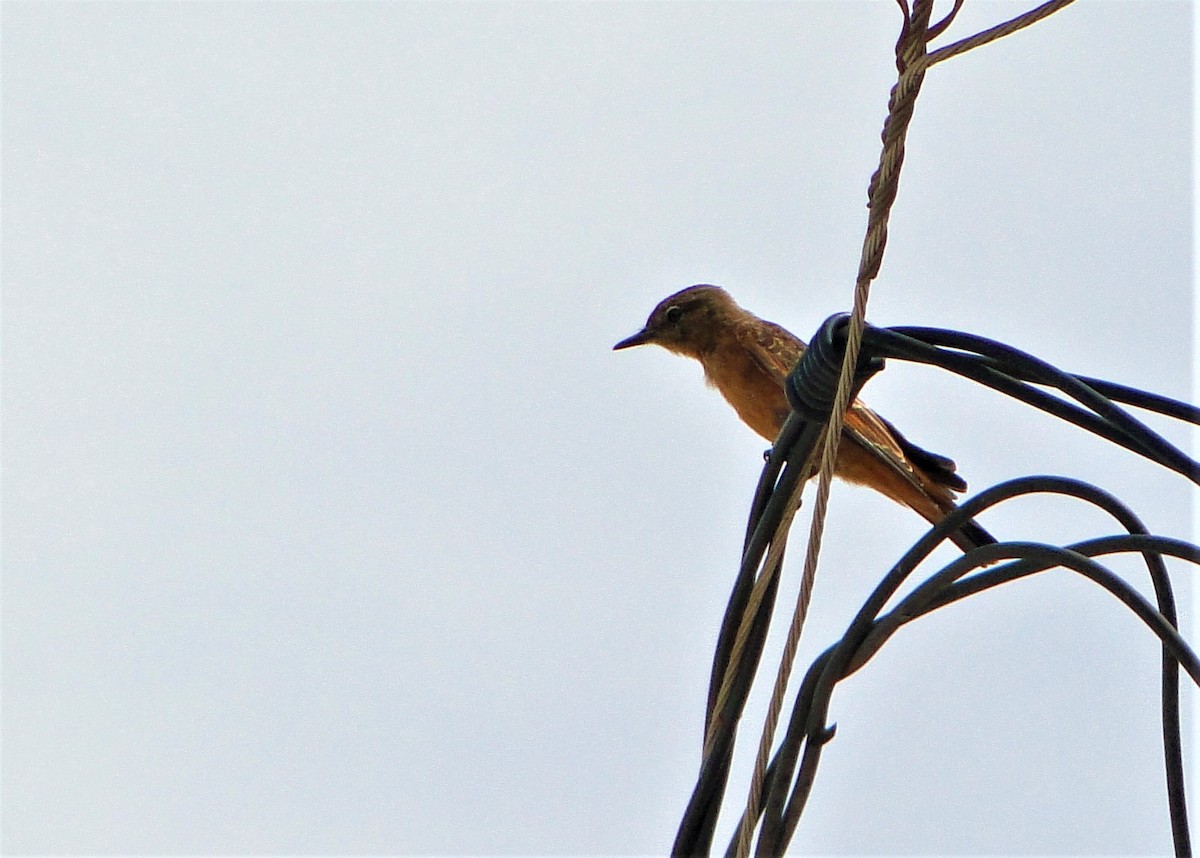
<point>812,384</point>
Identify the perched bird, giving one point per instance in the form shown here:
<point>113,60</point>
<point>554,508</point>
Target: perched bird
<point>747,359</point>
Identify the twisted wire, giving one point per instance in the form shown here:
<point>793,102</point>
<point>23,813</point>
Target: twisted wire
<point>747,624</point>
<point>997,32</point>
<point>883,188</point>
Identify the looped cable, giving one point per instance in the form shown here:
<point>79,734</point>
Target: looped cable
<point>812,384</point>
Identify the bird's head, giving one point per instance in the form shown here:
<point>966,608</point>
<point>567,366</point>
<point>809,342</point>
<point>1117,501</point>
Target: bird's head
<point>689,322</point>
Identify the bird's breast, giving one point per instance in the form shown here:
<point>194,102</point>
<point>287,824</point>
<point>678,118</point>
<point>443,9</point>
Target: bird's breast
<point>755,396</point>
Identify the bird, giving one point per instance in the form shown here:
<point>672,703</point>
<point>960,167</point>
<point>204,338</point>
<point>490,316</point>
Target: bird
<point>747,359</point>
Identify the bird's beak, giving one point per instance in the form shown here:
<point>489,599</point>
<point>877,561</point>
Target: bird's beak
<point>639,339</point>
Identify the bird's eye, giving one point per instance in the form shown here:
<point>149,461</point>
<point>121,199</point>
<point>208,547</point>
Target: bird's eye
<point>674,314</point>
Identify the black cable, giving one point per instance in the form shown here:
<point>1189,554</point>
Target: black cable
<point>1003,367</point>
<point>779,824</point>
<point>811,387</point>
<point>1116,392</point>
<point>797,439</point>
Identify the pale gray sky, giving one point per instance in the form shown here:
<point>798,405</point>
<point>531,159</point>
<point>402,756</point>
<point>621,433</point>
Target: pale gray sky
<point>332,525</point>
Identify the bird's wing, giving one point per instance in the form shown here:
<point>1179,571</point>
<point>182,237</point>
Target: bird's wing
<point>873,432</point>
<point>776,350</point>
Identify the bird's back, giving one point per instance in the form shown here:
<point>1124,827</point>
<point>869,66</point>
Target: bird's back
<point>774,351</point>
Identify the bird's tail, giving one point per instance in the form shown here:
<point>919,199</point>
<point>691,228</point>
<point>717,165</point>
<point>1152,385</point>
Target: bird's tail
<point>933,508</point>
<point>941,471</point>
<point>927,495</point>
